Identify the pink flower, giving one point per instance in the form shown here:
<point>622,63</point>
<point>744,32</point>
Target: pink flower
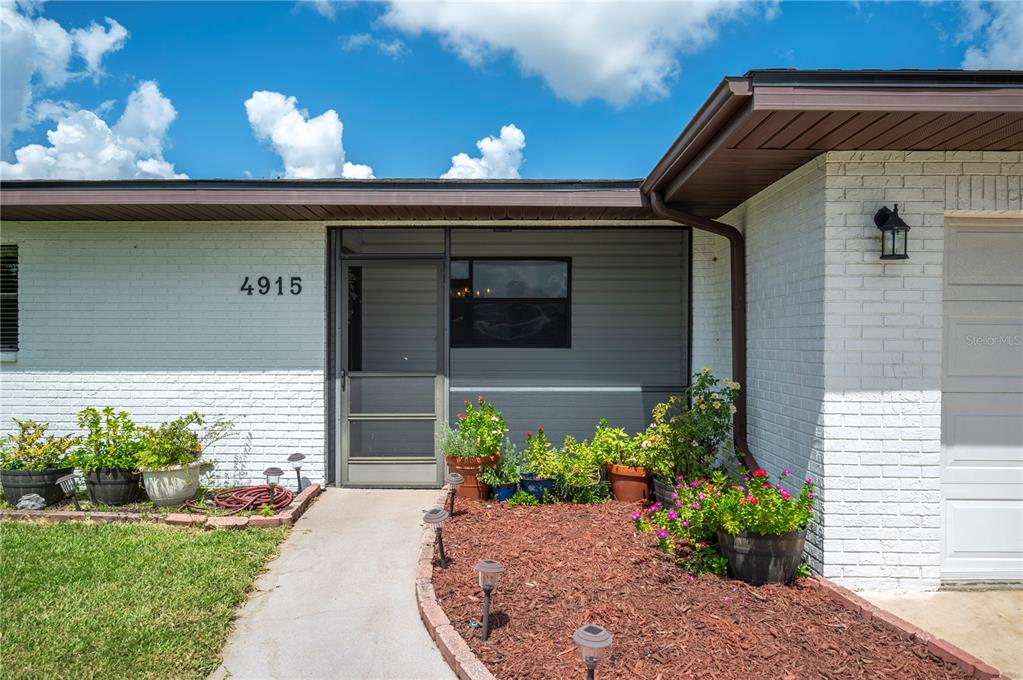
<point>685,522</point>
<point>539,428</point>
<point>694,484</point>
<point>465,403</point>
<point>808,481</point>
<point>679,478</point>
<point>461,416</point>
<point>809,495</point>
<point>786,472</point>
<point>700,496</point>
<point>674,496</point>
<point>679,504</point>
<point>785,494</point>
<point>662,534</point>
<point>672,515</point>
<point>635,516</point>
<point>767,486</point>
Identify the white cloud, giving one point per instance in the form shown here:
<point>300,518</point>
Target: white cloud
<point>37,54</point>
<point>615,51</point>
<point>500,157</point>
<point>310,147</point>
<point>322,7</point>
<point>1001,25</point>
<point>83,146</point>
<point>394,49</point>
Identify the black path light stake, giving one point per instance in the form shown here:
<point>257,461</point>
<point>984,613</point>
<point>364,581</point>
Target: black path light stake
<point>67,485</point>
<point>489,571</point>
<point>437,517</point>
<point>594,644</point>
<point>894,233</point>
<point>296,462</point>
<point>273,477</point>
<point>453,480</point>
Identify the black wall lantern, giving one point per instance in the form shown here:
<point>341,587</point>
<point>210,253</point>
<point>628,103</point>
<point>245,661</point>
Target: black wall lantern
<point>894,233</point>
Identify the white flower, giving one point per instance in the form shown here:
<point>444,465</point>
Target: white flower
<point>732,410</point>
<point>494,418</point>
<point>647,444</point>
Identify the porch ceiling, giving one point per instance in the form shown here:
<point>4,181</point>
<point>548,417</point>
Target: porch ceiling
<point>324,200</point>
<point>756,129</point>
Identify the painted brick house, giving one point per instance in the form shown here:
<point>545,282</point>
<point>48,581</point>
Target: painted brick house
<point>342,319</point>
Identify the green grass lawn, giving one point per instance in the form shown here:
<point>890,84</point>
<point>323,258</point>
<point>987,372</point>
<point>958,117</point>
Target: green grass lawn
<point>121,601</point>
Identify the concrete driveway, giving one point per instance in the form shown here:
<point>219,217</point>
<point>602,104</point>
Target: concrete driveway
<point>339,602</point>
<point>986,623</point>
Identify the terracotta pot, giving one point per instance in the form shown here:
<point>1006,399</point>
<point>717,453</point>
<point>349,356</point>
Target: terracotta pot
<point>469,468</point>
<point>629,484</point>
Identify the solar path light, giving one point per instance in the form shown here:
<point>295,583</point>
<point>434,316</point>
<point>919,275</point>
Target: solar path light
<point>437,517</point>
<point>453,480</point>
<point>296,462</point>
<point>489,571</point>
<point>594,644</point>
<point>67,485</point>
<point>273,478</point>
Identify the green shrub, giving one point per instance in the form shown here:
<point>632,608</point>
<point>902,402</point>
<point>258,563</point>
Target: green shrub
<point>508,469</point>
<point>521,497</point>
<point>32,449</point>
<point>175,443</point>
<point>113,440</point>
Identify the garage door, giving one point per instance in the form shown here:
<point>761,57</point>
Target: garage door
<point>982,400</point>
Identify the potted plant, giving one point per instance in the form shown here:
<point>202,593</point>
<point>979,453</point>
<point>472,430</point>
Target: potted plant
<point>687,433</point>
<point>169,457</point>
<point>541,465</point>
<point>108,455</point>
<point>474,445</point>
<point>503,478</point>
<point>626,461</point>
<point>761,527</point>
<point>33,461</point>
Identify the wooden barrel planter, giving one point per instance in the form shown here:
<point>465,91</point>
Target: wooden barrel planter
<point>472,487</point>
<point>758,559</point>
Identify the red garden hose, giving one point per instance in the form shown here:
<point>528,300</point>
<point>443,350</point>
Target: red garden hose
<point>239,498</point>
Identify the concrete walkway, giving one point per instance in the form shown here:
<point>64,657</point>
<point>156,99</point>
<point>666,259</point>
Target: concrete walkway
<point>339,602</point>
<point>986,623</point>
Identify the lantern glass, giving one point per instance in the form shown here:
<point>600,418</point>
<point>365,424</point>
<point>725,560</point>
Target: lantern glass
<point>436,516</point>
<point>296,460</point>
<point>67,484</point>
<point>490,572</point>
<point>273,475</point>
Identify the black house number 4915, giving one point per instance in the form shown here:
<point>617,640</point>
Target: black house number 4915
<point>264,285</point>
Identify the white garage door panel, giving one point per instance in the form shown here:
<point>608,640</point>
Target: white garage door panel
<point>982,401</point>
<point>972,549</point>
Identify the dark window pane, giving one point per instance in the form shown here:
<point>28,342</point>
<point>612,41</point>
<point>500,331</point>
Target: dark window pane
<point>519,279</point>
<point>9,297</point>
<point>516,324</point>
<point>459,269</point>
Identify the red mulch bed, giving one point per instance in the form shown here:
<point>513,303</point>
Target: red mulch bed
<point>568,565</point>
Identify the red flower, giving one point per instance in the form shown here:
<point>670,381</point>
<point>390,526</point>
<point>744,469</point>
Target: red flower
<point>539,428</point>
<point>760,473</point>
<point>461,416</point>
<point>528,433</point>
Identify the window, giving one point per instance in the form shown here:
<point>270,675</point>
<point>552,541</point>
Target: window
<point>505,302</point>
<point>8,298</point>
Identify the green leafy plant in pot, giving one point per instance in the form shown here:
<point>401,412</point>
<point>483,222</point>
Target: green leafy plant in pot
<point>169,457</point>
<point>503,478</point>
<point>108,455</point>
<point>474,445</point>
<point>32,462</point>
<point>627,460</point>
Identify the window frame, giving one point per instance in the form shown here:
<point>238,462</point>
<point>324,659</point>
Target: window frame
<point>4,348</point>
<point>457,343</point>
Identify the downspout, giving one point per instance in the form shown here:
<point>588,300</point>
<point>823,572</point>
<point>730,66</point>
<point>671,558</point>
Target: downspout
<point>737,251</point>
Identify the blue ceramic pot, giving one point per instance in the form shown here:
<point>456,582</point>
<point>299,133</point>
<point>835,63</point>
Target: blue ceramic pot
<point>535,487</point>
<point>503,492</point>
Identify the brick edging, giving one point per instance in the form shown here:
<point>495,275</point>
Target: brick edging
<point>285,518</point>
<point>453,648</point>
<point>941,648</point>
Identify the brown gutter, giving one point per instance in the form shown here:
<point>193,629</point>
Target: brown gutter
<point>737,250</point>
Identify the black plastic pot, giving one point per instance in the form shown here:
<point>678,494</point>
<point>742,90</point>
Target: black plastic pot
<point>758,559</point>
<point>18,483</point>
<point>113,486</point>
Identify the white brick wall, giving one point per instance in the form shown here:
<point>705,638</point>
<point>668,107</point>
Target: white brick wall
<point>845,351</point>
<point>712,316</point>
<point>148,317</point>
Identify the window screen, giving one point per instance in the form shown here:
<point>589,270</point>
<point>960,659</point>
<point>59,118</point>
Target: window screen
<point>8,298</point>
<point>511,302</point>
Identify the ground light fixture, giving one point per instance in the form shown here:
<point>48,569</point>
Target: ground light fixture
<point>296,462</point>
<point>273,478</point>
<point>489,571</point>
<point>67,485</point>
<point>894,233</point>
<point>453,480</point>
<point>594,644</point>
<point>437,517</point>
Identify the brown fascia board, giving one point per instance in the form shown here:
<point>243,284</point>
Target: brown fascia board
<point>719,108</point>
<point>623,194</point>
<point>917,100</point>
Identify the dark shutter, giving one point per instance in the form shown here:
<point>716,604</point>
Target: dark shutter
<point>8,298</point>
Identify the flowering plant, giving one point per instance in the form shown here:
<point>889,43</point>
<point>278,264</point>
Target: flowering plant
<point>508,469</point>
<point>685,441</point>
<point>612,446</point>
<point>682,526</point>
<point>482,426</point>
<point>759,507</point>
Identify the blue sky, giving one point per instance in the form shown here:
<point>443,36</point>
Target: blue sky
<point>417,84</point>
